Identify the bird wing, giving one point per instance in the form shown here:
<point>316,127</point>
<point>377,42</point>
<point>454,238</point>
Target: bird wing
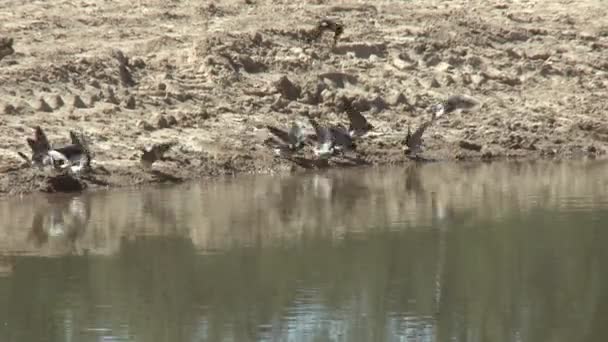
<point>71,151</point>
<point>279,133</point>
<point>41,140</point>
<point>323,134</point>
<point>340,136</point>
<point>414,140</point>
<point>455,102</point>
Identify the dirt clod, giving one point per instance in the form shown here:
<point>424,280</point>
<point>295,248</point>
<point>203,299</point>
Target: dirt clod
<point>43,106</point>
<point>287,89</point>
<point>57,102</point>
<point>77,102</point>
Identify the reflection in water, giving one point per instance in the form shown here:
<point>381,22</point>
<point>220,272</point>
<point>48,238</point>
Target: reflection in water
<point>490,252</point>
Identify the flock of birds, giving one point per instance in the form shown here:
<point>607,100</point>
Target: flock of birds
<point>327,140</point>
<point>333,139</point>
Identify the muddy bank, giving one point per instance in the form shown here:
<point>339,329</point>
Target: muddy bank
<point>209,77</point>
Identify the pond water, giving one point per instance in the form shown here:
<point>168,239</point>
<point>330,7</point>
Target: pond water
<point>437,252</point>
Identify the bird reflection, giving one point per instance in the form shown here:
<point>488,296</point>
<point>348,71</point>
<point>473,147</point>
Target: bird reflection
<point>63,220</point>
<point>322,186</point>
<point>7,265</point>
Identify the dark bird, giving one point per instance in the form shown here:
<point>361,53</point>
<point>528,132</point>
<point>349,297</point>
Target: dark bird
<point>413,142</point>
<point>123,68</point>
<point>359,125</point>
<point>155,152</point>
<point>342,138</point>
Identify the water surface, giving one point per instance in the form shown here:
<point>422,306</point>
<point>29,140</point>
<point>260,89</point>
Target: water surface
<point>440,252</point>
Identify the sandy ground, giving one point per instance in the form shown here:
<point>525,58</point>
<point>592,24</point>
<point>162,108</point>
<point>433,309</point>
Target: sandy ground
<point>205,77</point>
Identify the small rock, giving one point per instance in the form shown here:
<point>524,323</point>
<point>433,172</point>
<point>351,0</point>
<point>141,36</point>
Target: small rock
<point>401,64</point>
<point>161,86</point>
<point>361,104</point>
<point>6,47</point>
<point>510,81</point>
<point>129,102</point>
<point>378,103</point>
<point>58,102</point>
<point>313,96</point>
<point>78,103</point>
<point>10,109</point>
<point>327,95</point>
<point>146,126</point>
<point>448,80</point>
<point>251,66</point>
<point>160,121</point>
<point>279,104</point>
<point>110,96</point>
<point>43,106</point>
<point>398,98</point>
<point>432,83</point>
<point>517,36</point>
<point>467,145</point>
<point>183,97</point>
<point>95,84</point>
<point>420,48</point>
<point>138,63</point>
<point>431,59</point>
<point>339,79</point>
<point>477,79</point>
<point>94,99</point>
<point>64,183</point>
<point>588,36</point>
<point>287,89</point>
<point>475,61</point>
<point>171,120</point>
<point>487,155</point>
<point>539,55</point>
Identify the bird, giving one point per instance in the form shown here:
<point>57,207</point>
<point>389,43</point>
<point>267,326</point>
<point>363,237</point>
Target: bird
<point>451,104</point>
<point>123,68</point>
<point>290,141</point>
<point>154,152</point>
<point>332,139</point>
<point>325,144</point>
<point>73,157</point>
<point>342,138</point>
<point>358,124</point>
<point>327,24</point>
<point>413,141</point>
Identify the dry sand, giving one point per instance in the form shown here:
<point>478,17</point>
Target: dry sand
<point>205,76</point>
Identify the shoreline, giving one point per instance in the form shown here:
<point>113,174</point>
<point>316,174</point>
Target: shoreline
<point>38,180</point>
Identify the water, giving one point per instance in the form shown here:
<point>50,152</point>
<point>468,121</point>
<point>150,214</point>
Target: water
<point>441,252</point>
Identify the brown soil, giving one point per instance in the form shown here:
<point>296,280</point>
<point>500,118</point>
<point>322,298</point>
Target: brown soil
<point>205,75</point>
